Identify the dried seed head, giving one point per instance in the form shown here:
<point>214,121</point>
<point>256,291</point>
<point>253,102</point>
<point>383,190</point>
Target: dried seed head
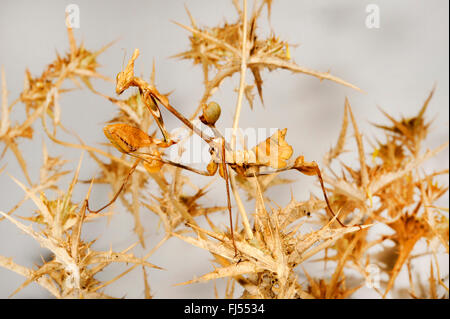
<point>152,164</point>
<point>211,113</point>
<point>127,138</point>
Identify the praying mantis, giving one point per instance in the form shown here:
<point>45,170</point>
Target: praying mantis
<point>272,153</point>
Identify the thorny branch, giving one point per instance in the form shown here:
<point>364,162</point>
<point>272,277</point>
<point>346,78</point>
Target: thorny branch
<point>273,244</point>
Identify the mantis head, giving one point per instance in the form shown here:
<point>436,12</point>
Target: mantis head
<point>125,78</point>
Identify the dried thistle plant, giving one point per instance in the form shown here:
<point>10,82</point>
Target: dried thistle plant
<point>265,251</point>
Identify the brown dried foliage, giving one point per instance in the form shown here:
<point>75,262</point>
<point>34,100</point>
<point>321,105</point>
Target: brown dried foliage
<point>265,252</point>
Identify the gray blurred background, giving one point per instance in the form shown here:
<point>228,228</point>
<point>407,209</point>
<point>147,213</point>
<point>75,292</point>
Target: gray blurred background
<point>397,65</point>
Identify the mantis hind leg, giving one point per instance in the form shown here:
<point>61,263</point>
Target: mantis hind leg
<point>130,172</point>
<point>225,176</point>
<point>319,176</point>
